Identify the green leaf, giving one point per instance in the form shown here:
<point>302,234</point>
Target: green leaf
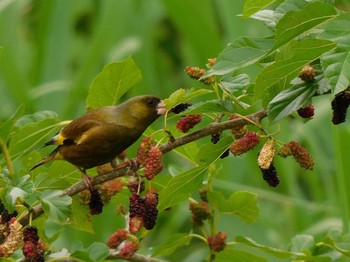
<point>209,152</point>
<point>236,83</point>
<point>210,106</point>
<point>98,251</point>
<point>114,81</point>
<point>184,95</point>
<point>290,100</point>
<point>6,128</point>
<point>32,130</point>
<point>274,251</point>
<point>230,254</point>
<point>80,217</point>
<point>181,186</point>
<point>296,23</point>
<point>301,243</point>
<point>253,6</point>
<point>242,204</point>
<point>336,64</point>
<point>176,241</point>
<point>287,67</point>
<point>56,206</point>
<point>241,53</point>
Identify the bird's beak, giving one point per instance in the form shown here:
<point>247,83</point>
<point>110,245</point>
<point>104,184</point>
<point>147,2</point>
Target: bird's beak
<point>161,110</point>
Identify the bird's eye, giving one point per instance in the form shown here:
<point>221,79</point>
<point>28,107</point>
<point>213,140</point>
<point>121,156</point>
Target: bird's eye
<point>152,102</point>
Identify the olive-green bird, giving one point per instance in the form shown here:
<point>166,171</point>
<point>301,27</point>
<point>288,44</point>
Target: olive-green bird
<point>99,136</point>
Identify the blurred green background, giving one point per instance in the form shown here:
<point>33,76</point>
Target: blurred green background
<point>53,49</point>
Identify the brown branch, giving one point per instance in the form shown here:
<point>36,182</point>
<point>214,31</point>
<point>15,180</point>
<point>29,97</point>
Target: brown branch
<point>165,148</point>
<point>114,254</point>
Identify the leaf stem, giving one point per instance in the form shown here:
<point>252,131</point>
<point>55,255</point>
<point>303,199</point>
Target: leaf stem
<point>7,157</point>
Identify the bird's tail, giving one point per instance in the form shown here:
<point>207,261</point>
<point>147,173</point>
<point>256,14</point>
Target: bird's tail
<point>52,156</point>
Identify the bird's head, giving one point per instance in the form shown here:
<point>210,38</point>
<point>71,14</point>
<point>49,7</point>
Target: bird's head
<point>145,108</point>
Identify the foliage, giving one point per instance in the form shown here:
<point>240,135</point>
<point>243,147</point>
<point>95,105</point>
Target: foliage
<point>197,179</point>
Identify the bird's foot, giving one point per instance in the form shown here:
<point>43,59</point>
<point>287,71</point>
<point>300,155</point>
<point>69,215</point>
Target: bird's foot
<point>88,182</point>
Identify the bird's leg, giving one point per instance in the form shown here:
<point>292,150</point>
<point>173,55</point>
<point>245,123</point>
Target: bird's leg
<point>131,163</point>
<point>87,179</point>
<point>114,163</point>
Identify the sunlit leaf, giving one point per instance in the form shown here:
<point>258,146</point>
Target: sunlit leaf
<point>296,55</point>
<point>181,186</point>
<point>242,204</point>
<point>243,52</point>
<point>114,81</point>
<point>56,207</point>
<point>295,23</point>
<point>174,242</point>
<point>253,6</point>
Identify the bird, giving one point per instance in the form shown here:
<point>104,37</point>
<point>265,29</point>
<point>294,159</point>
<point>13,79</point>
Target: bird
<point>99,136</point>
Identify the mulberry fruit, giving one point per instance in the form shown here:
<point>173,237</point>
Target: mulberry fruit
<point>96,203</point>
<point>188,122</point>
<point>340,106</point>
<point>300,154</point>
<point>128,249</point>
<point>117,238</point>
<point>217,243</point>
<point>307,73</point>
<point>215,138</point>
<point>197,73</point>
<point>270,175</point>
<point>266,154</point>
<point>144,147</point>
<point>151,211</point>
<point>240,131</point>
<point>200,212</point>
<point>306,112</point>
<point>154,164</point>
<point>244,144</point>
<point>136,211</point>
<point>180,108</point>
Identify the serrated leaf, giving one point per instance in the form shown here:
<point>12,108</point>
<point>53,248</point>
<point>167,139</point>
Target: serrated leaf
<point>296,23</point>
<point>274,251</point>
<point>181,186</point>
<point>210,152</point>
<point>56,206</point>
<point>336,64</point>
<point>114,81</point>
<point>253,6</point>
<point>242,204</point>
<point>210,106</point>
<point>6,128</point>
<point>296,55</point>
<point>174,242</point>
<point>268,17</point>
<point>236,83</point>
<point>32,130</point>
<point>290,100</point>
<point>243,52</point>
<point>184,95</point>
<point>98,251</point>
<point>300,243</point>
<point>230,254</point>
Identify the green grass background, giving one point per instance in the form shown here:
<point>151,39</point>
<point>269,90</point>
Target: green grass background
<point>53,49</point>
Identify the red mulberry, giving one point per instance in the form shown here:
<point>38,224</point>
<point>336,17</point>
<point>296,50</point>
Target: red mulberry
<point>154,164</point>
<point>144,147</point>
<point>188,122</point>
<point>300,154</point>
<point>197,73</point>
<point>117,238</point>
<point>217,243</point>
<point>128,249</point>
<point>306,112</point>
<point>239,131</point>
<point>200,212</point>
<point>136,211</point>
<point>244,144</point>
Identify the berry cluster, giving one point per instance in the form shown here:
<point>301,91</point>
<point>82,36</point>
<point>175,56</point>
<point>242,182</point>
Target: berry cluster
<point>245,143</point>
<point>119,239</point>
<point>33,247</point>
<point>197,73</point>
<point>150,157</point>
<point>300,154</point>
<point>188,122</point>
<point>142,211</point>
<point>340,106</point>
<point>200,212</point>
<point>10,234</point>
<point>217,243</point>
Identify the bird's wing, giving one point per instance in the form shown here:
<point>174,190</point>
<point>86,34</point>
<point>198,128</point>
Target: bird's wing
<point>75,132</point>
